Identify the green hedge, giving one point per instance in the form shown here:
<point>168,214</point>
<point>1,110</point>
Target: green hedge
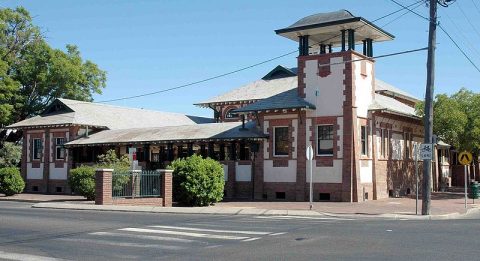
<point>197,181</point>
<point>82,181</point>
<point>11,182</point>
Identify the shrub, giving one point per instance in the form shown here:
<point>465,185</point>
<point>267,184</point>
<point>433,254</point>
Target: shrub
<point>82,181</point>
<point>10,155</point>
<point>110,160</point>
<point>197,181</point>
<point>11,182</point>
<point>120,165</point>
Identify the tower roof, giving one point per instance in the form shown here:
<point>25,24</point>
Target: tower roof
<point>326,27</point>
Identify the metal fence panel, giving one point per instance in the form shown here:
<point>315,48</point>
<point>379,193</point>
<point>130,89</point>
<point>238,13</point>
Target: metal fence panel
<point>138,184</point>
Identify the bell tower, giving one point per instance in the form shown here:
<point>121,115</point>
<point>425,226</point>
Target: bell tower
<point>339,80</point>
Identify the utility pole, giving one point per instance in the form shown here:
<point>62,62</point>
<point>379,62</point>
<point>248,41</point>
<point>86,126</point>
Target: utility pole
<point>428,120</point>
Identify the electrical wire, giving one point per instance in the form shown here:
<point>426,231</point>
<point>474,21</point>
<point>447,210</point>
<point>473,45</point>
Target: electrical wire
<point>241,69</point>
<point>375,20</point>
<point>445,31</point>
<point>403,14</point>
<point>468,19</point>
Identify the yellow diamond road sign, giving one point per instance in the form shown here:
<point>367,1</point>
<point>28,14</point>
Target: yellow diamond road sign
<point>465,158</point>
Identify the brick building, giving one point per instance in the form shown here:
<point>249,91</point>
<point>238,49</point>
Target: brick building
<point>362,130</point>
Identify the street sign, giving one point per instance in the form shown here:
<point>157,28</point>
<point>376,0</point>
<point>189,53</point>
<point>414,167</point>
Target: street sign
<point>426,151</point>
<point>465,158</point>
<point>309,152</point>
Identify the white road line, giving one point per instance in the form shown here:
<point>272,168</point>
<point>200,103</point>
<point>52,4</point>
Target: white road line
<point>180,233</point>
<point>26,257</point>
<point>170,239</point>
<point>120,244</point>
<point>302,217</point>
<point>215,230</point>
<point>251,239</point>
<point>278,234</point>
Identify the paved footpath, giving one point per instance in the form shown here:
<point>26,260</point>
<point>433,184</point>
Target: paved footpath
<point>444,206</point>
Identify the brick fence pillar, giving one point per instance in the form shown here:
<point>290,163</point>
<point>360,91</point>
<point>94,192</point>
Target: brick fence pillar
<point>167,186</point>
<point>103,186</point>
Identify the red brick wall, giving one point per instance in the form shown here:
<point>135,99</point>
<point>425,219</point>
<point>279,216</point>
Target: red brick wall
<point>103,191</point>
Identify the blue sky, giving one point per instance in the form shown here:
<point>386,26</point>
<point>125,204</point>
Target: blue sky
<point>147,46</point>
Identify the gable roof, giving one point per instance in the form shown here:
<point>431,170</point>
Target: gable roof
<point>280,72</point>
<point>209,131</point>
<point>268,87</point>
<point>385,103</point>
<point>285,100</point>
<point>105,116</point>
<point>256,90</point>
<point>390,90</point>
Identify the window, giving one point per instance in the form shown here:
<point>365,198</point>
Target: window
<point>325,140</point>
<point>37,148</point>
<point>59,149</point>
<point>408,144</point>
<point>280,141</point>
<point>384,143</point>
<point>364,140</point>
<point>231,115</point>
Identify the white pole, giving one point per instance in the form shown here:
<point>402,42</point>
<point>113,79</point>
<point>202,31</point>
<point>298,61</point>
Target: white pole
<point>416,177</point>
<point>465,186</point>
<point>311,183</point>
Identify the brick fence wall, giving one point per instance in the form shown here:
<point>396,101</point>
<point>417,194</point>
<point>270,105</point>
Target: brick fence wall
<point>103,191</point>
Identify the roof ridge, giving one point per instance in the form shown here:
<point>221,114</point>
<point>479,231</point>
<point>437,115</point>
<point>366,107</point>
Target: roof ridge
<point>122,107</point>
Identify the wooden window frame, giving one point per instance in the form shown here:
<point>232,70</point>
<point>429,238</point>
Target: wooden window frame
<point>318,139</point>
<point>364,140</point>
<point>59,147</point>
<point>275,141</point>
<point>36,150</point>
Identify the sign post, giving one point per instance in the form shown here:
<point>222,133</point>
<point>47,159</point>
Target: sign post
<point>310,158</point>
<point>465,158</point>
<point>415,149</point>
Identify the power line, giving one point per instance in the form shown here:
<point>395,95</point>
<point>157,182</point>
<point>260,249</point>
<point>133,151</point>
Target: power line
<point>247,67</point>
<point>410,10</point>
<point>375,20</point>
<point>445,31</point>
<point>476,6</point>
<point>458,47</point>
<point>244,68</point>
<point>459,30</point>
<point>420,3</point>
<point>468,19</point>
<point>200,81</point>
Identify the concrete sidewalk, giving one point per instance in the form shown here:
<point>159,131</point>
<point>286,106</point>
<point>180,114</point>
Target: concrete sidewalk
<point>444,206</point>
<point>36,198</point>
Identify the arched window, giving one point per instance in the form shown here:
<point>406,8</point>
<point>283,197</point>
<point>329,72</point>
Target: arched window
<point>230,114</point>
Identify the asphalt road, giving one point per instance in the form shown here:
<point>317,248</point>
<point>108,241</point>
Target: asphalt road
<point>43,234</point>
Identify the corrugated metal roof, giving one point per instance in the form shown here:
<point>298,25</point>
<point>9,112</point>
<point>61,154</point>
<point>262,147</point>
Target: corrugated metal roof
<point>381,86</point>
<point>262,89</point>
<point>111,117</point>
<point>382,102</point>
<point>209,131</point>
<point>285,100</point>
<point>256,90</point>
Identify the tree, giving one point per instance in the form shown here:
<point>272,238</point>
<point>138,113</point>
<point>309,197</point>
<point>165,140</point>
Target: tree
<point>457,119</point>
<point>33,74</point>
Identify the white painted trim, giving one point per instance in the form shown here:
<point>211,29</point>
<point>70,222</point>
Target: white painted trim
<point>35,131</point>
<point>277,117</point>
<point>59,130</point>
<point>295,138</point>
